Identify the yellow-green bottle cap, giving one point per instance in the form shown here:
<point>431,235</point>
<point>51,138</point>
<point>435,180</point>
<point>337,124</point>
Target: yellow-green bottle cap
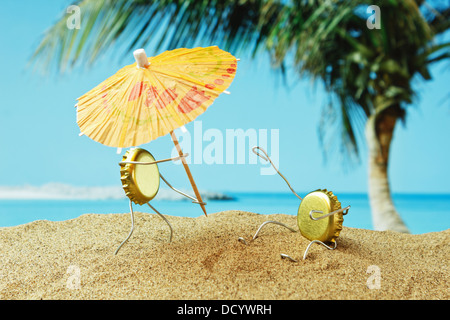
<point>327,229</point>
<point>140,182</point>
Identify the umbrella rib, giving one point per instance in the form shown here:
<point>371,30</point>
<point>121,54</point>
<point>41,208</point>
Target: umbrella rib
<point>159,116</point>
<point>119,101</point>
<point>168,55</point>
<point>179,123</point>
<point>99,111</point>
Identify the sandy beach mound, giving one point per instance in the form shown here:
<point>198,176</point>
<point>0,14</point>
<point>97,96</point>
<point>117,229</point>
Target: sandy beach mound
<point>75,259</point>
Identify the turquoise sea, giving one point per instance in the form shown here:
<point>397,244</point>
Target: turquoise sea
<point>422,213</point>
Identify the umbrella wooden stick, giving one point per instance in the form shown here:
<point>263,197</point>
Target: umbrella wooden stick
<point>186,167</point>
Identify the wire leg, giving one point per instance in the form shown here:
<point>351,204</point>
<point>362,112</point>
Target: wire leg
<point>285,256</point>
<point>165,219</point>
<point>261,226</point>
<point>275,222</point>
<point>319,242</point>
<point>132,228</point>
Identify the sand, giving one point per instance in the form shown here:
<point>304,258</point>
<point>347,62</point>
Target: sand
<point>75,260</point>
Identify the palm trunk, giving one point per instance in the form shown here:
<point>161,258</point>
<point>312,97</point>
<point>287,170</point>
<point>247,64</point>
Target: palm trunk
<point>379,132</point>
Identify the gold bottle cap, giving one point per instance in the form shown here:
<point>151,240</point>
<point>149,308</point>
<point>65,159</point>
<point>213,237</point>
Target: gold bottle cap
<point>327,229</point>
<point>140,182</point>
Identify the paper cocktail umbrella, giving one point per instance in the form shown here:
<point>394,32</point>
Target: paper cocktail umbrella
<point>154,96</point>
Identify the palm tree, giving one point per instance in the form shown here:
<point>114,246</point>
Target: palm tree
<point>368,73</point>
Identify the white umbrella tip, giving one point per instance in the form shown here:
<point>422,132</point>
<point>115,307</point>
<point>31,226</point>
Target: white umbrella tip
<point>141,58</point>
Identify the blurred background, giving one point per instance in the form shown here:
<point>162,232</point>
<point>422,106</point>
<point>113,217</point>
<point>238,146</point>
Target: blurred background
<point>289,78</point>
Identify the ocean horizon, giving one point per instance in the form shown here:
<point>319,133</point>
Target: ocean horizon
<point>422,213</point>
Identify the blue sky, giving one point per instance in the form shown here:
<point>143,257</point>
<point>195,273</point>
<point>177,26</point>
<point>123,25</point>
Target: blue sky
<point>40,144</point>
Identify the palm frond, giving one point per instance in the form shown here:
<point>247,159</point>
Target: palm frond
<point>127,24</point>
<point>365,71</point>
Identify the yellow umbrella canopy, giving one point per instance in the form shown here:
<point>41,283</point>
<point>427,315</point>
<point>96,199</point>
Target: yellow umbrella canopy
<point>154,96</point>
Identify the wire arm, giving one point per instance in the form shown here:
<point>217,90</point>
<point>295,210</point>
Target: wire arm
<point>157,161</point>
<point>267,158</point>
<point>194,200</point>
<point>343,210</point>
